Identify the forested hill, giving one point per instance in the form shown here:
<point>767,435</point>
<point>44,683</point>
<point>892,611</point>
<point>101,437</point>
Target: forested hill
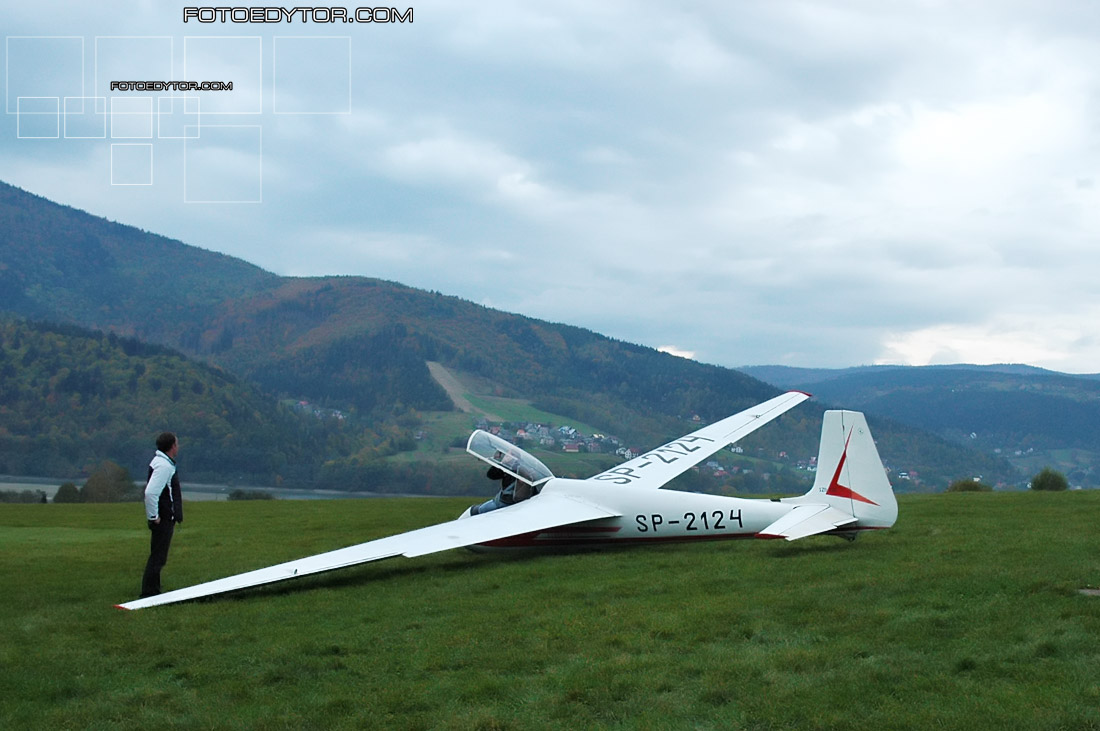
<point>61,264</point>
<point>1005,406</point>
<point>791,377</point>
<point>1033,415</point>
<point>71,398</point>
<point>361,345</point>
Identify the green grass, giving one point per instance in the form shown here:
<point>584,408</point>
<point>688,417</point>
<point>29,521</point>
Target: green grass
<point>965,615</point>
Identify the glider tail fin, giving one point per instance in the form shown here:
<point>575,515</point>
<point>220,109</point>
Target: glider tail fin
<point>850,475</point>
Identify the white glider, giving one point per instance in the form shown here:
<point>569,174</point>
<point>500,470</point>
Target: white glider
<point>623,505</point>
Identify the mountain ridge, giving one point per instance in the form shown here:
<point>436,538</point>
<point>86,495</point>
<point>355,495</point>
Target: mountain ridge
<point>791,376</point>
<point>364,344</point>
<point>1033,415</point>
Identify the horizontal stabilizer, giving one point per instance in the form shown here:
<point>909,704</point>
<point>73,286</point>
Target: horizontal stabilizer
<point>806,520</point>
<point>544,511</point>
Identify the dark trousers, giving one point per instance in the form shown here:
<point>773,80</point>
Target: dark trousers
<point>159,541</point>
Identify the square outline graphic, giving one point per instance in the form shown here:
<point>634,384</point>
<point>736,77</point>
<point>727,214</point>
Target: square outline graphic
<point>19,114</point>
<point>275,76</point>
<point>95,112</point>
<point>131,144</point>
<point>259,128</point>
<point>114,114</point>
<point>7,65</point>
<point>100,108</point>
<point>259,65</point>
<point>95,63</point>
<point>186,103</point>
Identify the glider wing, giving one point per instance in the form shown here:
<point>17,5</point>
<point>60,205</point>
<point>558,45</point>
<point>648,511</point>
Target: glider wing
<point>539,513</point>
<point>657,467</point>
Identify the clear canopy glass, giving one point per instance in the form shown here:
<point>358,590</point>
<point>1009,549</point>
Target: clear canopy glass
<point>508,457</point>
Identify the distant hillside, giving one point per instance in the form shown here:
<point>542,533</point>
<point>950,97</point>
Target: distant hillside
<point>1014,410</point>
<point>361,345</point>
<point>327,323</point>
<point>1015,406</point>
<point>71,398</point>
<point>61,264</point>
<point>791,377</point>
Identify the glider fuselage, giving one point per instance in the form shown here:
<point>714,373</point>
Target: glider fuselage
<point>650,516</point>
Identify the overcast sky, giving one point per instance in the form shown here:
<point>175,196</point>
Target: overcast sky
<point>802,183</point>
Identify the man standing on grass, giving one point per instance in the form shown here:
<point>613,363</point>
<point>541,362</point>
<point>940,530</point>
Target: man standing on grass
<point>163,509</point>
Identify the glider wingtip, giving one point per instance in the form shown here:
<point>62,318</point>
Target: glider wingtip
<point>769,536</point>
<point>807,394</point>
<point>123,607</point>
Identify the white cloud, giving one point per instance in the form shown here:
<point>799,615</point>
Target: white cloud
<point>985,137</point>
<point>1057,342</point>
<point>673,350</point>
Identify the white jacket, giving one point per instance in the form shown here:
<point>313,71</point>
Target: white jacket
<point>163,468</point>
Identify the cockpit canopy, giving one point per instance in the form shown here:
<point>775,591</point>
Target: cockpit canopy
<point>508,457</point>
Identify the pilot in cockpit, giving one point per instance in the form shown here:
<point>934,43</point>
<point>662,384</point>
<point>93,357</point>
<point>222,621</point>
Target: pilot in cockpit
<point>521,476</point>
<point>511,492</point>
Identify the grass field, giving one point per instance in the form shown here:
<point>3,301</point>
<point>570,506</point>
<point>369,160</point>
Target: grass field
<point>966,615</point>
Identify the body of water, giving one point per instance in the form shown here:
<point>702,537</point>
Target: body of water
<point>192,491</point>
